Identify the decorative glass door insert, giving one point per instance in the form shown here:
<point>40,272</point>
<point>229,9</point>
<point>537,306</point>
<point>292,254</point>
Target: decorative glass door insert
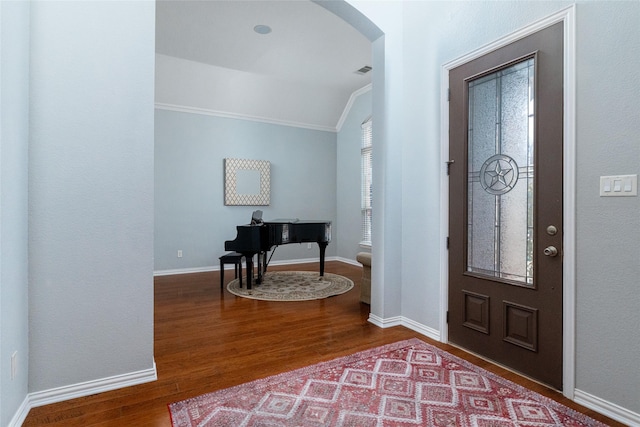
<point>501,169</point>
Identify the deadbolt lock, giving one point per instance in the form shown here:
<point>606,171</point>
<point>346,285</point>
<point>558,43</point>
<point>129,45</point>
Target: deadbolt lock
<point>552,230</point>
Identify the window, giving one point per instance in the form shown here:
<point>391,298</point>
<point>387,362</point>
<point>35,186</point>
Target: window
<point>366,171</point>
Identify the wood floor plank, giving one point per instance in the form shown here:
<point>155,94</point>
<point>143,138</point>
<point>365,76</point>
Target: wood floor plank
<point>207,339</point>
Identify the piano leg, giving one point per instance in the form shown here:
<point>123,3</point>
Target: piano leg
<point>249,258</point>
<point>323,247</point>
<point>262,266</point>
<point>259,278</point>
<point>264,262</point>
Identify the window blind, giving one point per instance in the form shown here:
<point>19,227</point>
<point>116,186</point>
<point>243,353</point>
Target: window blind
<point>366,170</point>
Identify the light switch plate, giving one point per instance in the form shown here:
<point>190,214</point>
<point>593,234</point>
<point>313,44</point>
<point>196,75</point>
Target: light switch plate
<point>619,186</point>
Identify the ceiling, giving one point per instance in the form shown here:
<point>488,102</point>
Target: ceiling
<point>308,45</point>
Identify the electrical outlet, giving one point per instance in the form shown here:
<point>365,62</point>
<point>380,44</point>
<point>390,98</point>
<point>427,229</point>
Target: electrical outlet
<point>14,364</point>
<point>179,253</point>
<point>308,245</point>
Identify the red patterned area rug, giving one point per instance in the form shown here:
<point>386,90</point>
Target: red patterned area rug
<point>409,383</point>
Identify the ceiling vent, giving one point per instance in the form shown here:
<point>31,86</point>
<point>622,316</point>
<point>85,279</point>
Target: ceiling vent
<point>364,70</point>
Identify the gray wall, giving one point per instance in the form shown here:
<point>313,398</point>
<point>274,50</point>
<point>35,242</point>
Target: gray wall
<point>190,214</point>
<point>348,189</point>
<point>90,191</point>
<point>14,134</point>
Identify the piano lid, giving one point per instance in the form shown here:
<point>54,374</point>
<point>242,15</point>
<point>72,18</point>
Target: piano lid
<point>297,221</point>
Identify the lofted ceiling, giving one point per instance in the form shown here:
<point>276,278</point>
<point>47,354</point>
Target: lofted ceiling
<point>309,49</point>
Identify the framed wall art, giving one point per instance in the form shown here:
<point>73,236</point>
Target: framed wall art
<point>247,182</point>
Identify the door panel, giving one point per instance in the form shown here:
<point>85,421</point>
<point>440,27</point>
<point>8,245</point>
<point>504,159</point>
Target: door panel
<point>505,190</point>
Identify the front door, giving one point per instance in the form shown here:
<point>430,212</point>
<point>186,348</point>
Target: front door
<point>505,205</point>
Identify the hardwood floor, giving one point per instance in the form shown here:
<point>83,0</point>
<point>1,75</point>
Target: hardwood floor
<point>206,340</point>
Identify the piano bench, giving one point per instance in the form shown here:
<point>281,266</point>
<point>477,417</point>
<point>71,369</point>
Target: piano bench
<point>234,258</point>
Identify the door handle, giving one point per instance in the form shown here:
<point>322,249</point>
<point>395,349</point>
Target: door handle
<point>550,251</point>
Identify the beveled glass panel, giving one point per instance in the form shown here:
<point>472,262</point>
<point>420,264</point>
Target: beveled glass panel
<point>481,229</point>
<point>483,112</point>
<point>515,112</point>
<point>500,174</point>
<point>513,232</point>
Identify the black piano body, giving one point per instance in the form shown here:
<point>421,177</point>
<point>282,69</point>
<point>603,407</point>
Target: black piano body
<point>260,238</point>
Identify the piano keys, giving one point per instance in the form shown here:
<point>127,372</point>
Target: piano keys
<point>261,237</point>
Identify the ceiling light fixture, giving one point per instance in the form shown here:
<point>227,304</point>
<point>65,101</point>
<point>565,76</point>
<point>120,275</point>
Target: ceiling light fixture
<point>262,29</point>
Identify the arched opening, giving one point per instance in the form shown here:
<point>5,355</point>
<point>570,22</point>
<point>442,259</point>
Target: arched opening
<point>206,92</point>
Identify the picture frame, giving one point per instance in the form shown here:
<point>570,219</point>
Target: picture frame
<point>247,182</point>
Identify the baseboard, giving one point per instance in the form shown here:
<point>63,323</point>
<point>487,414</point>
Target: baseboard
<point>88,388</point>
<point>388,322</point>
<point>407,323</point>
<point>21,414</point>
<point>209,268</point>
<point>347,261</point>
<point>604,407</point>
<point>434,334</point>
<point>176,271</point>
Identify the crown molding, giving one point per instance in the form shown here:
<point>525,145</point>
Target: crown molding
<point>228,115</point>
<point>238,116</point>
<point>352,100</point>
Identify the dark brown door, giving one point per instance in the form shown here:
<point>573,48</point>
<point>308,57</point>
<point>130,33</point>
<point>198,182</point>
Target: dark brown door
<point>505,209</point>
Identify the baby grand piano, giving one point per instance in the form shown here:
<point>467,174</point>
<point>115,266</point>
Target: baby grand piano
<point>260,237</point>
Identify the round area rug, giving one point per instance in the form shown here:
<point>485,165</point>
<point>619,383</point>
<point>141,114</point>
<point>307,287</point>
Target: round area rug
<point>293,286</point>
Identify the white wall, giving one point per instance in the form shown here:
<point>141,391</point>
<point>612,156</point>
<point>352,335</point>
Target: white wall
<point>90,192</point>
<point>608,60</point>
<point>14,135</point>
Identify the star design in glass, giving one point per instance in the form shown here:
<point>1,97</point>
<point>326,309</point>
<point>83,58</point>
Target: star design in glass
<point>499,174</point>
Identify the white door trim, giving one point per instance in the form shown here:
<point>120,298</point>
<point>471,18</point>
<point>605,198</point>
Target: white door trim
<point>567,16</point>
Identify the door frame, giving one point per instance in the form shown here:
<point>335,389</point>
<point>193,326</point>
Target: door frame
<point>567,16</point>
